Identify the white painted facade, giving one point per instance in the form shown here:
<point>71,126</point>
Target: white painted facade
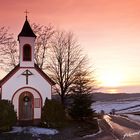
<point>37,85</point>
<point>16,85</point>
<point>18,81</point>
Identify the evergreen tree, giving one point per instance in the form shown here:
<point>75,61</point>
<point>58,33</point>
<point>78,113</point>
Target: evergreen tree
<point>82,99</point>
<point>53,114</point>
<point>7,115</point>
<point>81,106</point>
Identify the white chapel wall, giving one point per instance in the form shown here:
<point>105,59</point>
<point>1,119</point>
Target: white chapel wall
<point>17,85</point>
<point>18,81</point>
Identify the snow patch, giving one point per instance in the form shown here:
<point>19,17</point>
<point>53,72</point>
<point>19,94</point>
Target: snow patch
<point>17,130</point>
<point>133,117</point>
<point>107,106</point>
<point>39,131</point>
<point>130,110</point>
<point>35,131</point>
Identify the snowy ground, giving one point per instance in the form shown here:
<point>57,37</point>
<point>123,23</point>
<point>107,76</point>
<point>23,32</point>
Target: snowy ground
<point>35,131</point>
<point>130,105</point>
<point>133,117</point>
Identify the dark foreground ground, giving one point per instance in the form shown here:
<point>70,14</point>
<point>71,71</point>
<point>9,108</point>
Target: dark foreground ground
<point>75,131</point>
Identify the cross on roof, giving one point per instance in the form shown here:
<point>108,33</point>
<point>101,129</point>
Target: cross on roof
<point>26,12</point>
<point>27,73</point>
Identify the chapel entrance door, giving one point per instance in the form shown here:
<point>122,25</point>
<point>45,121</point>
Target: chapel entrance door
<point>26,106</point>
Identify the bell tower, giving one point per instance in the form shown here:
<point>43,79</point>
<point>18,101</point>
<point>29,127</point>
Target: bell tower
<point>26,40</point>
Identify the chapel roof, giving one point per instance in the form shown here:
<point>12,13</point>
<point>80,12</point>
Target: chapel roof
<point>12,72</point>
<point>26,30</point>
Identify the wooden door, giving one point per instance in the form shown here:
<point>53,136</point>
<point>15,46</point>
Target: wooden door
<point>26,106</point>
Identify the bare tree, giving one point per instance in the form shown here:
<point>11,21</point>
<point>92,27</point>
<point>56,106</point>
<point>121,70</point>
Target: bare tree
<point>8,50</point>
<point>84,81</point>
<point>44,35</point>
<point>65,59</point>
<point>4,35</point>
<point>9,55</point>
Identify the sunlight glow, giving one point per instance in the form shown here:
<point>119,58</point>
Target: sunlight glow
<point>111,79</point>
<point>112,90</point>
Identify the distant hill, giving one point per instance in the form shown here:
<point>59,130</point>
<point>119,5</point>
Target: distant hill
<point>113,97</point>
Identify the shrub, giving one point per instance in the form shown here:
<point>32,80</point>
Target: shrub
<point>7,115</point>
<point>81,107</point>
<point>53,114</point>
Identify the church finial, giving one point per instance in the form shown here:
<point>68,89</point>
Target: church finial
<point>26,12</point>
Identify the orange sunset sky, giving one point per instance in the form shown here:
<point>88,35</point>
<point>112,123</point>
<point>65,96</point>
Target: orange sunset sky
<point>108,31</point>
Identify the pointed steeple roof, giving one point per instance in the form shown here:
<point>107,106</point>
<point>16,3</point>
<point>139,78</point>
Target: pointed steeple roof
<point>26,30</point>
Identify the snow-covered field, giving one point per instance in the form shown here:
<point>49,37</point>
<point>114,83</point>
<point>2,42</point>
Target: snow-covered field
<point>133,117</point>
<point>35,131</point>
<point>130,105</point>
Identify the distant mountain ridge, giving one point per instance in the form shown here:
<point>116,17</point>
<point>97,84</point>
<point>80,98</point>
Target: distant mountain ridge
<point>98,96</point>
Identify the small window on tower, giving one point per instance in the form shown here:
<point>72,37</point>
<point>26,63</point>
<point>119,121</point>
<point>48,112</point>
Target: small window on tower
<point>26,52</point>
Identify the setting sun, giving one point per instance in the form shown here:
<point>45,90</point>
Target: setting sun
<point>111,79</point>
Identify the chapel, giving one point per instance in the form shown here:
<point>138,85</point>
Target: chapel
<point>27,86</point>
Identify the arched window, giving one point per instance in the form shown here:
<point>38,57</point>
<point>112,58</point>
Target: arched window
<point>26,52</point>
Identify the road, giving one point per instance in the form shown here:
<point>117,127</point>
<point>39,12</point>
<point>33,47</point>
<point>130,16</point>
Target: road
<point>117,128</point>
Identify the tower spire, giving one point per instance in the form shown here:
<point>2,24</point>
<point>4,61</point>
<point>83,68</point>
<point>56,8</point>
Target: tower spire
<point>26,13</point>
<point>26,29</point>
